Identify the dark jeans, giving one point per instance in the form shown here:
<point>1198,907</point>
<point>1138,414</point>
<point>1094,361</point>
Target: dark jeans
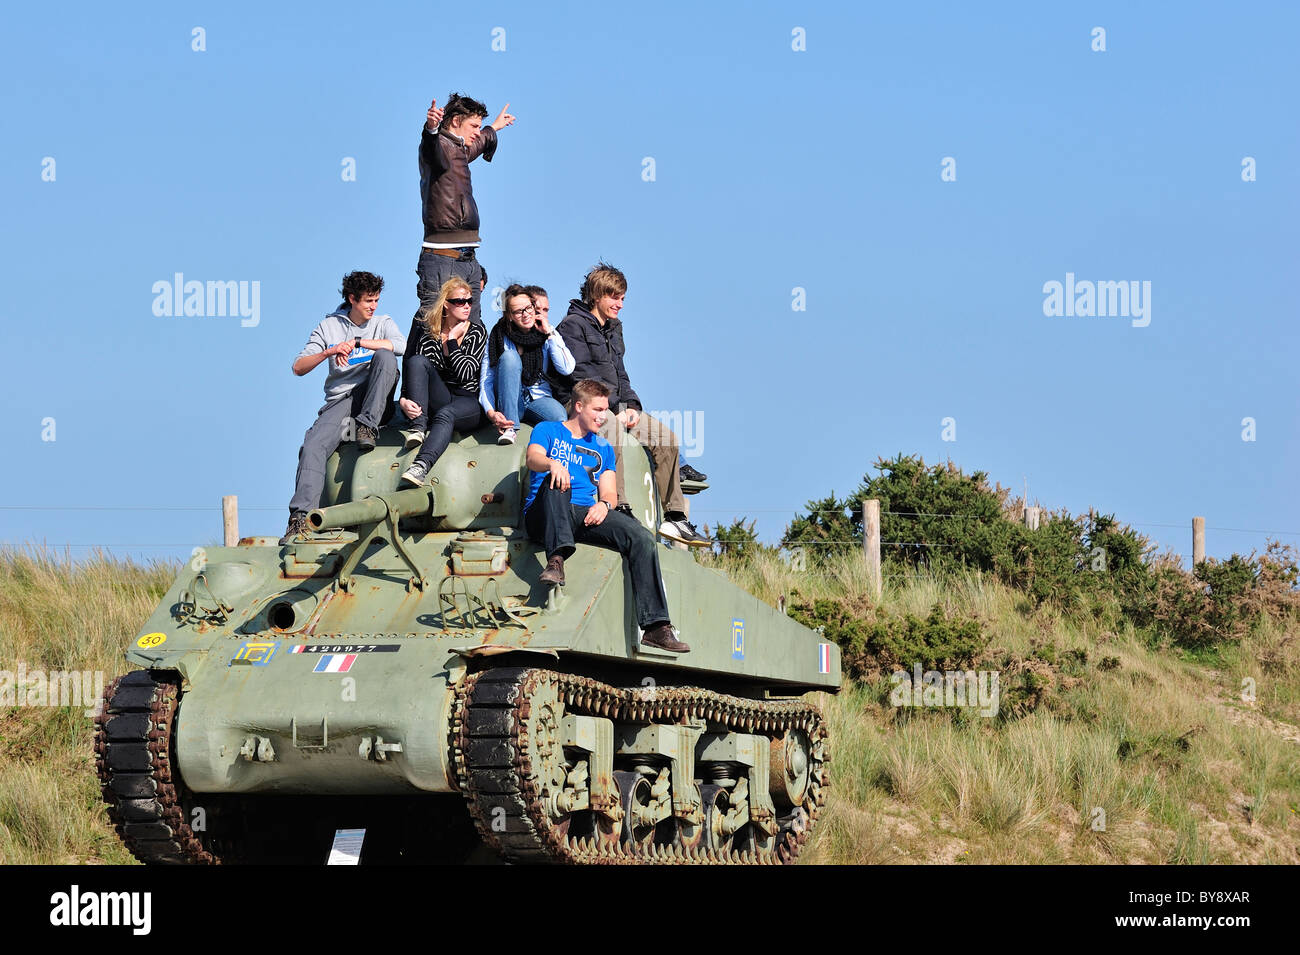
<point>442,411</point>
<point>433,270</point>
<point>366,404</point>
<point>553,521</point>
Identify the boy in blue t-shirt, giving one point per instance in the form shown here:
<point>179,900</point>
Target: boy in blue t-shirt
<point>571,500</point>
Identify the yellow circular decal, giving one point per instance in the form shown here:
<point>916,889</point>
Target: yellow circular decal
<point>151,640</point>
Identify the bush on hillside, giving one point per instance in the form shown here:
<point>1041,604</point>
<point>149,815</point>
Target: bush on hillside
<point>872,642</point>
<point>1220,601</point>
<point>737,541</point>
<point>934,517</point>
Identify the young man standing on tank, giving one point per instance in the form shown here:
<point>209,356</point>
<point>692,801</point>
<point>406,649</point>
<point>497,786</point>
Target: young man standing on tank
<point>571,500</point>
<point>361,348</point>
<point>594,334</point>
<point>452,138</point>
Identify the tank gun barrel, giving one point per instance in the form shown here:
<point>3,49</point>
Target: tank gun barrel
<point>408,502</point>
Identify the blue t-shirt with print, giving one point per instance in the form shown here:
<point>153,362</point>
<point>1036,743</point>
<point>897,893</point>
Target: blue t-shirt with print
<point>588,458</point>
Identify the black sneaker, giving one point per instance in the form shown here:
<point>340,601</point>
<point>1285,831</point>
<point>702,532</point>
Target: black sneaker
<point>365,438</point>
<point>417,474</point>
<point>626,508</point>
<point>684,532</point>
<point>690,474</point>
<point>297,525</point>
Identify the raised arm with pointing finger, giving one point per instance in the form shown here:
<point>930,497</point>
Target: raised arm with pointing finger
<point>453,136</point>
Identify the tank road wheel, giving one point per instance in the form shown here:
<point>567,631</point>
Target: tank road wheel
<point>718,834</point>
<point>691,835</point>
<point>644,824</point>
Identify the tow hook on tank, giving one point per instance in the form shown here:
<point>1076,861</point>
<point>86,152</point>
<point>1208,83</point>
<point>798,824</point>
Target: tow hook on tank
<point>257,749</point>
<point>374,747</point>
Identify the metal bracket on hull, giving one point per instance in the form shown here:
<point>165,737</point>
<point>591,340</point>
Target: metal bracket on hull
<point>482,604</point>
<point>382,529</point>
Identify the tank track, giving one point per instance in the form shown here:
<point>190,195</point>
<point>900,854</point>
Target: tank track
<point>133,757</point>
<point>493,759</point>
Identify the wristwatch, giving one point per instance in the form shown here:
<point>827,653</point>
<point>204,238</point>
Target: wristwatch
<point>357,341</point>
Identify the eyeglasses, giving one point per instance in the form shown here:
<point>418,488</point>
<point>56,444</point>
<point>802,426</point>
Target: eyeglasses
<point>519,312</point>
<point>459,301</point>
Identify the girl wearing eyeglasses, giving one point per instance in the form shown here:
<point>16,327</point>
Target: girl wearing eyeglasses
<point>523,350</point>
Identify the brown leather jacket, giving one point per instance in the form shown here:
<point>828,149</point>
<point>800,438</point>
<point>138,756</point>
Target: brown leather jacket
<point>446,196</point>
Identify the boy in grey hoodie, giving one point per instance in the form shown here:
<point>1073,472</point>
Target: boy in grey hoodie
<point>362,349</point>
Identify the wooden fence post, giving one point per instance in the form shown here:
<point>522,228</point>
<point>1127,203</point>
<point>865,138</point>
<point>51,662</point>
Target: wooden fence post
<point>1198,541</point>
<point>230,519</point>
<point>871,543</point>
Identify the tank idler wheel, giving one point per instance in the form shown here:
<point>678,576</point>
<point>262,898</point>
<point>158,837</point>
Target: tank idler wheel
<point>716,804</point>
<point>790,769</point>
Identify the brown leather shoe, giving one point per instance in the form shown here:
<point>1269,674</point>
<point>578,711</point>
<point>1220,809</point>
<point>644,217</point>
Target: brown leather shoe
<point>554,572</point>
<point>661,636</point>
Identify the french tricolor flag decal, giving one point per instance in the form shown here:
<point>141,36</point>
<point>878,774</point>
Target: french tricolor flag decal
<point>823,658</point>
<point>334,663</point>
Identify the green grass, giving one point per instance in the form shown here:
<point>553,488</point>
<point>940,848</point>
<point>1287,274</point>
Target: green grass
<point>56,614</point>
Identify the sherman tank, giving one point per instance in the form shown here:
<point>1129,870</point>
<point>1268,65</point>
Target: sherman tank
<point>401,669</point>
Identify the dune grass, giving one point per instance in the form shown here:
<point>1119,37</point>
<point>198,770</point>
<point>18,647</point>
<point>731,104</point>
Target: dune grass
<point>1153,758</point>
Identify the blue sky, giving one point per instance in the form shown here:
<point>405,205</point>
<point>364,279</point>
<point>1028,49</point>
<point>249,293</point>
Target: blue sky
<point>775,169</point>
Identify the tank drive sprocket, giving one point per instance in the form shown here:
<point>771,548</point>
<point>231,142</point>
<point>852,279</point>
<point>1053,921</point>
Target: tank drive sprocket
<point>147,803</point>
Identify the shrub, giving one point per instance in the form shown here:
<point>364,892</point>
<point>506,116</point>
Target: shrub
<point>934,517</point>
<point>872,642</point>
<point>737,541</point>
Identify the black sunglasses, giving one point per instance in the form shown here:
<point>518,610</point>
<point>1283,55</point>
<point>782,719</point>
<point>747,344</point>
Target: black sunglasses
<point>459,301</point>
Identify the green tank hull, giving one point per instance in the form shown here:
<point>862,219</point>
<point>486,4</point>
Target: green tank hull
<point>344,665</point>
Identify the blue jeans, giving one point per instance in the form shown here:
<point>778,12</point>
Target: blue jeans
<point>513,401</point>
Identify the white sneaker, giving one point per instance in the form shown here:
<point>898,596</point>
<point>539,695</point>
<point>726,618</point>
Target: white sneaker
<point>413,438</point>
<point>683,532</point>
<point>507,436</point>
